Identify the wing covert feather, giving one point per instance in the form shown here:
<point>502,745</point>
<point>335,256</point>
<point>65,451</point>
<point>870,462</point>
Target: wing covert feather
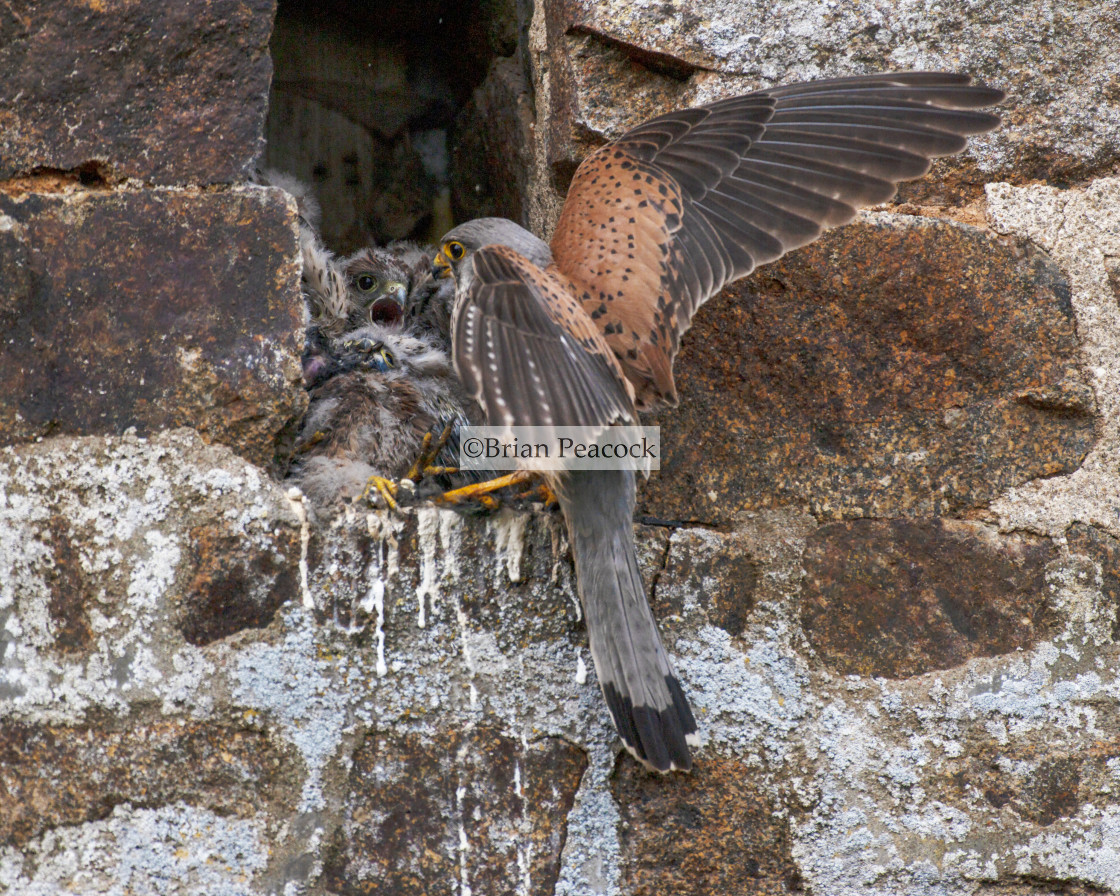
<point>659,220</point>
<point>528,352</point>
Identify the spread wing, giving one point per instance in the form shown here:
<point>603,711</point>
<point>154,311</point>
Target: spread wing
<point>659,220</point>
<point>529,354</point>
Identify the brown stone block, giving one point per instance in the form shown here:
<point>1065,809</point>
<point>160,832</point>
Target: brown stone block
<point>1038,783</point>
<point>713,831</point>
<point>716,570</point>
<point>171,93</point>
<point>53,776</point>
<point>473,807</point>
<point>70,589</point>
<point>236,583</point>
<point>151,310</point>
<point>900,598</point>
<point>895,367</point>
<point>492,155</point>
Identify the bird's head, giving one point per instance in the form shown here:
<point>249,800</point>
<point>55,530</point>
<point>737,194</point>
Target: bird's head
<point>459,244</point>
<point>377,285</point>
<point>391,352</point>
<point>366,351</point>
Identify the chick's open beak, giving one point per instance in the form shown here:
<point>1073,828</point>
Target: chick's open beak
<point>441,267</point>
<point>397,291</point>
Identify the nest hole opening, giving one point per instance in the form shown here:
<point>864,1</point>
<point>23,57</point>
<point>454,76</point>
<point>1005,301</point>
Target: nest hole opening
<point>370,104</point>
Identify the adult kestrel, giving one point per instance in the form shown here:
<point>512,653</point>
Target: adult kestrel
<point>583,332</point>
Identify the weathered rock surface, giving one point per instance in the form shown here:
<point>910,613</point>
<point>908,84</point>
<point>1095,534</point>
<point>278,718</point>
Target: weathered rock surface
<point>902,597</point>
<point>418,713</point>
<point>171,94</point>
<point>713,832</point>
<point>151,310</point>
<point>473,808</point>
<point>893,599</point>
<point>899,366</point>
<point>612,64</point>
<point>60,776</point>
<point>492,156</point>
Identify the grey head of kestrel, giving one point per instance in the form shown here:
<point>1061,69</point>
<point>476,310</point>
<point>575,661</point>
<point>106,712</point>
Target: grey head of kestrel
<point>584,330</point>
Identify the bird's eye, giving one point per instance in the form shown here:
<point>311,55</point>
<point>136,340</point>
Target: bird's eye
<point>366,282</point>
<point>454,250</point>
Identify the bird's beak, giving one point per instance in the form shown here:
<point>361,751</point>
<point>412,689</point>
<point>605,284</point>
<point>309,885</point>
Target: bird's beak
<point>441,267</point>
<point>397,291</point>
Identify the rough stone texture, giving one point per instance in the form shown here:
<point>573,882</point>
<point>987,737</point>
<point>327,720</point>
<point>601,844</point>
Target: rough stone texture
<point>1103,552</point>
<point>115,748</point>
<point>705,570</point>
<point>492,139</point>
<point>57,776</point>
<point>475,809</point>
<point>900,598</point>
<point>151,310</point>
<point>613,63</point>
<point>899,366</point>
<point>680,834</point>
<point>232,589</point>
<point>171,93</point>
<point>201,694</point>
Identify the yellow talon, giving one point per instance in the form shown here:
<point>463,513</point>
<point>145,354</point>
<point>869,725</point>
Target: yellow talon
<point>314,440</point>
<point>482,492</point>
<point>477,490</point>
<point>429,451</point>
<point>384,487</point>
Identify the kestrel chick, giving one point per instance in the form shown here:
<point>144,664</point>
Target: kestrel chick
<point>401,271</point>
<point>380,390</point>
<point>584,331</point>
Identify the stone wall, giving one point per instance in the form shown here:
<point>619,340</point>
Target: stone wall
<point>884,546</point>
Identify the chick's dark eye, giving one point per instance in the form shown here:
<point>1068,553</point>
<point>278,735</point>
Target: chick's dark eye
<point>366,282</point>
<point>455,250</point>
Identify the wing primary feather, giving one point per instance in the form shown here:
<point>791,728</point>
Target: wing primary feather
<point>745,179</point>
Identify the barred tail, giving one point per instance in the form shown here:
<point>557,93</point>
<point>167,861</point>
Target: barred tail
<point>642,691</point>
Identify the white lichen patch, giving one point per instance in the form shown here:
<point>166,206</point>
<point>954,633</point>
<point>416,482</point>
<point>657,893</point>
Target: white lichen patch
<point>746,702</point>
<point>116,512</point>
<point>590,862</point>
<point>883,754</point>
<point>1079,228</point>
<point>1088,849</point>
<point>171,851</point>
<point>299,690</point>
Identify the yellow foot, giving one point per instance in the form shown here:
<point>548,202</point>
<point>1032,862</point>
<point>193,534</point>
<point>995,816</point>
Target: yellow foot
<point>311,442</point>
<point>540,492</point>
<point>483,492</point>
<point>429,451</point>
<point>387,488</point>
